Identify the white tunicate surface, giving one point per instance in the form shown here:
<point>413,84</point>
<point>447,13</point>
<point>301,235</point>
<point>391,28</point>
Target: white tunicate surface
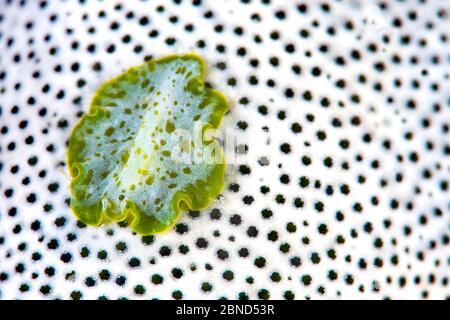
<point>342,111</point>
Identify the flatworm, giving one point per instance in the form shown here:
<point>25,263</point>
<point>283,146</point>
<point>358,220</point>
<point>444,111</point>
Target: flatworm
<point>128,156</point>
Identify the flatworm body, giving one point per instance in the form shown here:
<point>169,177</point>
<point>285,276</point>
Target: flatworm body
<point>121,154</point>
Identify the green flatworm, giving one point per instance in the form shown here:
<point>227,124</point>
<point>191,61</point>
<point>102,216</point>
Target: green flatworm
<point>121,152</point>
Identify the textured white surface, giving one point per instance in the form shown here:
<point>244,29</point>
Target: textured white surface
<point>396,94</point>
